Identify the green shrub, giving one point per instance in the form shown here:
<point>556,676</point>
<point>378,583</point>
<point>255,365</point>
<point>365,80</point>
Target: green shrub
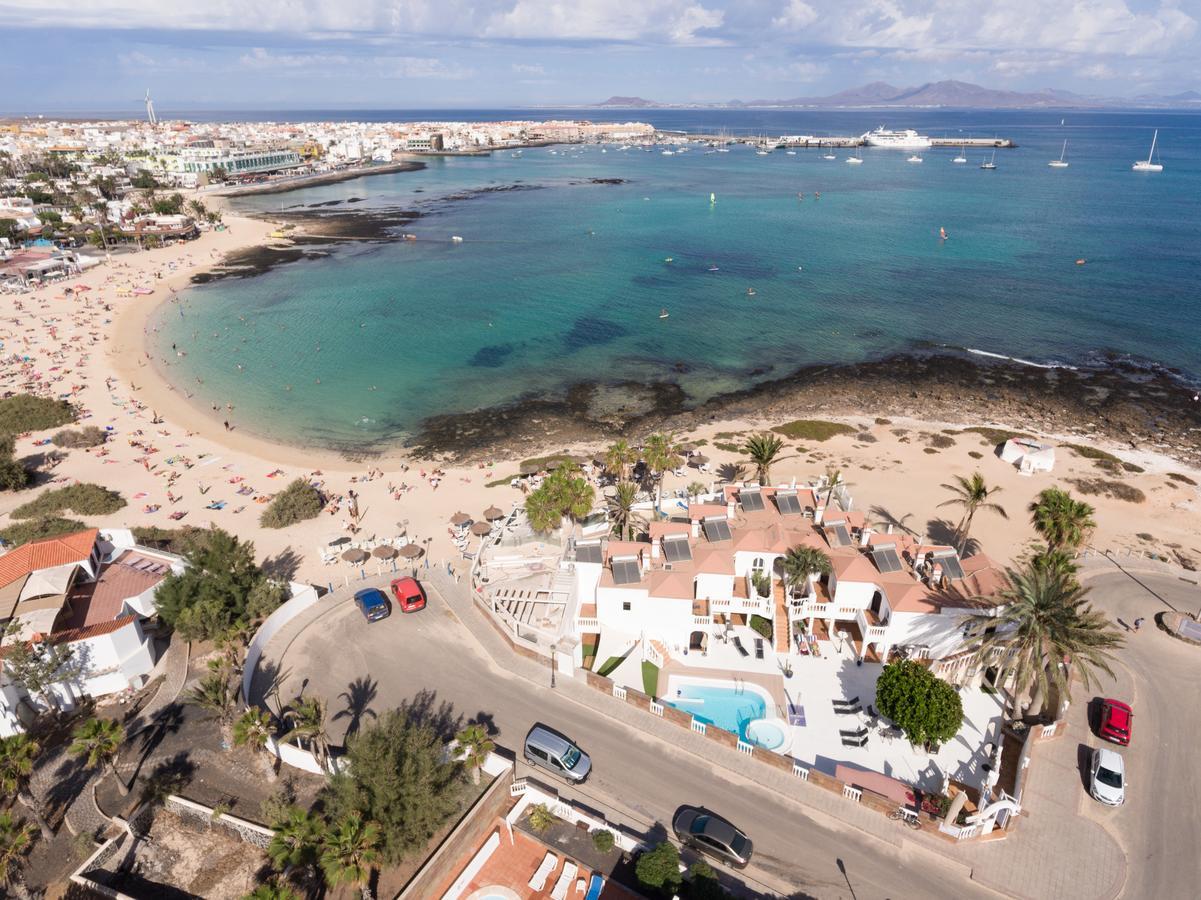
<point>13,474</point>
<point>650,678</point>
<point>18,533</point>
<point>1106,488</point>
<point>1183,479</point>
<point>25,412</point>
<point>761,626</point>
<point>727,447</point>
<point>995,435</point>
<point>602,840</point>
<point>1092,453</point>
<point>89,436</point>
<point>172,540</point>
<point>541,818</point>
<point>295,503</point>
<point>660,868</point>
<point>925,707</point>
<point>941,441</point>
<point>812,429</point>
<point>82,499</point>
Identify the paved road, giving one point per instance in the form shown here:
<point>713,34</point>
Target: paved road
<point>1158,826</point>
<point>795,854</point>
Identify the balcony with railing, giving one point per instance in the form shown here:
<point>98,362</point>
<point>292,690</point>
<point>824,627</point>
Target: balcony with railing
<point>586,619</point>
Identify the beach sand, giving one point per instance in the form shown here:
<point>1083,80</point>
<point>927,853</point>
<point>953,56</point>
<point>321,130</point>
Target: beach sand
<point>68,346</point>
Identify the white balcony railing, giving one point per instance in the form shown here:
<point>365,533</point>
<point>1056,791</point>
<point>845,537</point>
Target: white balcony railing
<point>876,632</point>
<point>702,621</point>
<point>587,623</point>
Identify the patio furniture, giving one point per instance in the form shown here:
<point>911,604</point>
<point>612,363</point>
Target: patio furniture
<point>742,651</point>
<point>758,648</point>
<point>570,870</point>
<point>796,714</point>
<point>854,701</point>
<point>857,733</point>
<point>537,881</point>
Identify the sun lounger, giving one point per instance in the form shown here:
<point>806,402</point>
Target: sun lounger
<point>742,651</point>
<point>857,733</point>
<point>854,701</point>
<point>796,714</point>
<point>758,648</point>
<point>538,879</point>
<point>570,870</point>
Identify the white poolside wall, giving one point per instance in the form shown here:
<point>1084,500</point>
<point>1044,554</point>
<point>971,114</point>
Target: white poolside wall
<point>304,596</point>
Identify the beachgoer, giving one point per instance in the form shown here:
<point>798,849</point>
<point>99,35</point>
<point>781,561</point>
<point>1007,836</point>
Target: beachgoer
<point>1138,623</point>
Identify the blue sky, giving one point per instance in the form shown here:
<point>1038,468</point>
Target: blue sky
<point>220,54</point>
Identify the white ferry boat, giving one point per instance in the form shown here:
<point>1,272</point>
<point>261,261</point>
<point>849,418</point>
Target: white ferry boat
<point>897,140</point>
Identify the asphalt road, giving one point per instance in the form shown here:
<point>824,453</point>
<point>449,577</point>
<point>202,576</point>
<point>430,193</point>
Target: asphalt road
<point>1158,826</point>
<point>643,780</point>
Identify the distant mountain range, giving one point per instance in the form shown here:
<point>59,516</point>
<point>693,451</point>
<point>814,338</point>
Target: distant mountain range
<point>959,94</point>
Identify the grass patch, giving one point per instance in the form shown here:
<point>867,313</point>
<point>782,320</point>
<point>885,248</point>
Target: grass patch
<point>727,447</point>
<point>1104,487</point>
<point>650,678</point>
<point>538,463</point>
<point>35,529</point>
<point>700,442</point>
<point>609,665</point>
<point>173,540</point>
<point>500,482</point>
<point>941,441</point>
<point>725,435</point>
<point>295,503</point>
<point>929,450</point>
<point>25,412</point>
<point>880,421</point>
<point>761,626</point>
<point>996,435</point>
<point>1132,468</point>
<point>1092,453</point>
<point>812,429</point>
<point>975,454</point>
<point>866,437</point>
<point>83,499</point>
<point>89,436</point>
<point>1183,479</point>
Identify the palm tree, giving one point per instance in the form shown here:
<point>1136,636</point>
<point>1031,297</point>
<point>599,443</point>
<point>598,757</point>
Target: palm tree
<point>215,693</point>
<point>17,756</point>
<point>475,745</point>
<point>297,840</point>
<point>349,851</point>
<point>198,208</point>
<point>99,741</point>
<point>272,890</point>
<point>619,458</point>
<point>1062,522</point>
<point>1045,620</point>
<point>660,454</point>
<point>564,495</point>
<point>835,479</point>
<point>621,509</point>
<point>307,717</point>
<point>763,450</point>
<point>255,730</point>
<point>15,840</point>
<point>972,494</point>
<point>801,562</point>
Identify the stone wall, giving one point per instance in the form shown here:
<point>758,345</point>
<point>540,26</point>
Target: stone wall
<point>247,832</point>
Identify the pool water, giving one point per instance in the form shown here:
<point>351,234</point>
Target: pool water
<point>730,708</point>
<point>766,734</point>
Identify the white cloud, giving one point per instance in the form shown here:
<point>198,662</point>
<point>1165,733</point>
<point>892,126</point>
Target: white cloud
<point>528,69</point>
<point>796,15</point>
<point>261,58</point>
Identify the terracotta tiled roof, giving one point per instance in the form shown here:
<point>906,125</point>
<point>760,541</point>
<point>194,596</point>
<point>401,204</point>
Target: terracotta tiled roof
<point>44,554</point>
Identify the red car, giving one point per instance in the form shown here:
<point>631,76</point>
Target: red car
<point>1117,720</point>
<point>409,594</point>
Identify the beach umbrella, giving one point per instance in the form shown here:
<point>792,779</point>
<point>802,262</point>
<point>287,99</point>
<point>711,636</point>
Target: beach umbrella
<point>410,551</point>
<point>699,460</point>
<point>492,513</point>
<point>481,528</point>
<point>529,468</point>
<point>355,555</point>
<point>459,519</point>
<point>383,551</point>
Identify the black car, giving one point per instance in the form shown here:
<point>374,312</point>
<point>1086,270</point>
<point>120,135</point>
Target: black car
<point>712,835</point>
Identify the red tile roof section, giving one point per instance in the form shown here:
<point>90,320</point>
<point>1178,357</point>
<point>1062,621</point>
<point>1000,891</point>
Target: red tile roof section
<point>46,554</point>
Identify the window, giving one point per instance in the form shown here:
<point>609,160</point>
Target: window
<point>536,752</point>
<point>759,564</point>
<point>676,548</point>
<point>752,501</point>
<point>625,606</point>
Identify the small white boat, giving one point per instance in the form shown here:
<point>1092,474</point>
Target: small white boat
<point>713,269</point>
<point>992,163</point>
<point>1149,164</point>
<point>961,158</point>
<point>712,197</point>
<point>761,152</point>
<point>750,292</point>
<point>669,153</point>
<point>723,149</point>
<point>829,156</point>
<point>1060,163</point>
<point>856,159</point>
<point>455,239</point>
<point>790,152</point>
<point>916,158</point>
<point>663,314</point>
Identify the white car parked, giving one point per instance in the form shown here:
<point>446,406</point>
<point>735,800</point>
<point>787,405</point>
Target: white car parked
<point>1107,779</point>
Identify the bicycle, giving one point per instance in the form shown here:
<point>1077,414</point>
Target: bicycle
<point>906,815</point>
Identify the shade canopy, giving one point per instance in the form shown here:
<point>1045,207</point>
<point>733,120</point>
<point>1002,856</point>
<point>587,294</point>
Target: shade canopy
<point>481,528</point>
<point>699,460</point>
<point>492,513</point>
<point>460,518</point>
<point>355,555</point>
<point>384,552</point>
<point>410,551</point>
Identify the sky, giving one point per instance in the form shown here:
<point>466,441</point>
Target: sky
<point>83,55</point>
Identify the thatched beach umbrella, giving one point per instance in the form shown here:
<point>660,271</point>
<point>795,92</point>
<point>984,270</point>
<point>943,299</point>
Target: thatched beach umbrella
<point>481,528</point>
<point>460,519</point>
<point>355,555</point>
<point>410,551</point>
<point>699,460</point>
<point>492,513</point>
<point>383,551</point>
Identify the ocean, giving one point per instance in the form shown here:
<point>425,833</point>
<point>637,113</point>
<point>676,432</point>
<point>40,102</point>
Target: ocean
<point>562,276</point>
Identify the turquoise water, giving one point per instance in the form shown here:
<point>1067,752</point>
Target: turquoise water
<point>564,281</point>
<point>727,708</point>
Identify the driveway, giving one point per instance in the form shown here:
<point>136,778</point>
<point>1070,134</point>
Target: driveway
<point>362,670</point>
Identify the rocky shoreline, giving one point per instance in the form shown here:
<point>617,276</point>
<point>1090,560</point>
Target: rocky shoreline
<point>1133,407</point>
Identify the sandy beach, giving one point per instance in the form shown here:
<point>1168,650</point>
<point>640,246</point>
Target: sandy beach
<point>90,347</point>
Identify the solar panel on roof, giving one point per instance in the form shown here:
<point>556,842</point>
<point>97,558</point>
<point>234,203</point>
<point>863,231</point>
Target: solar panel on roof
<point>589,552</point>
<point>951,567</point>
<point>885,556</point>
<point>788,504</point>
<point>842,537</point>
<point>752,501</point>
<point>626,571</point>
<point>717,529</point>
<point>676,549</point>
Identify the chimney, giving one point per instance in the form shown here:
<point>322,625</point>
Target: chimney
<point>730,507</point>
<point>696,528</point>
<point>656,544</point>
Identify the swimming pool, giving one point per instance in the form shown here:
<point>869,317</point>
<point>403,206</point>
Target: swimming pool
<point>725,705</point>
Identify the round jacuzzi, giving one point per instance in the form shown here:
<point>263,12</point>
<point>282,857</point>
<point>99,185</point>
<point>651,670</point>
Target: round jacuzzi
<point>770,734</point>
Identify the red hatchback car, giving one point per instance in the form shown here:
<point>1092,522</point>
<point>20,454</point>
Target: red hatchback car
<point>1117,721</point>
<point>409,595</point>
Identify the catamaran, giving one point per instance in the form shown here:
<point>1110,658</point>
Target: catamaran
<point>1149,164</point>
<point>992,163</point>
<point>1060,163</point>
